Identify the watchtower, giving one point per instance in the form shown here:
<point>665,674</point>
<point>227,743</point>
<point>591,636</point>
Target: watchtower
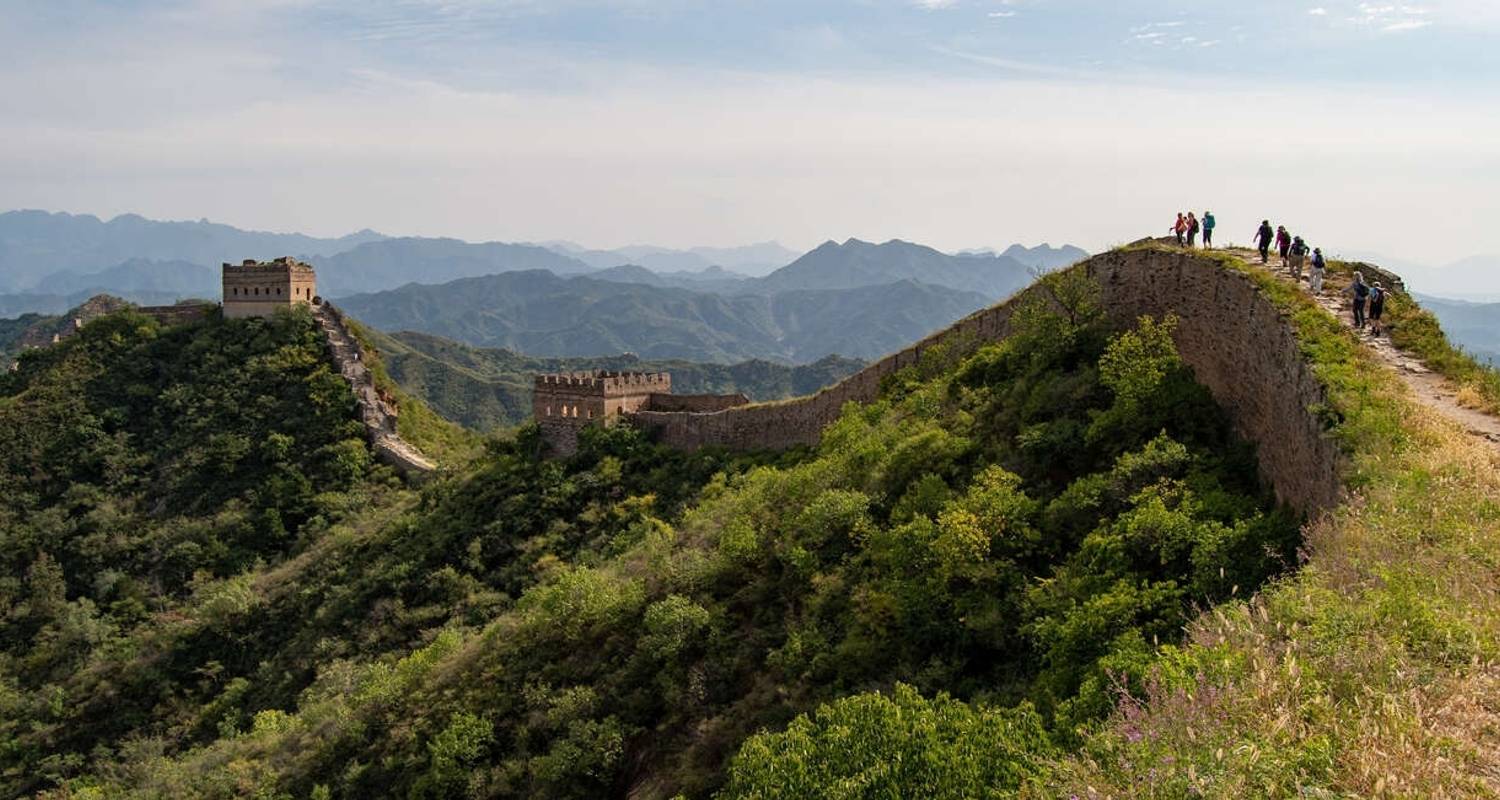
<point>565,403</point>
<point>257,289</point>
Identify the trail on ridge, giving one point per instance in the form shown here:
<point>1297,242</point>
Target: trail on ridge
<point>1432,390</point>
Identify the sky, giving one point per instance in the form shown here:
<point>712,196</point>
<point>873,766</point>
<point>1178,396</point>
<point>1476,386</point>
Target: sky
<point>1367,126</point>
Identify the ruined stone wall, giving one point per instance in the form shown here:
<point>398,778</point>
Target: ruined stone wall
<point>178,314</point>
<point>1234,338</point>
<point>377,412</point>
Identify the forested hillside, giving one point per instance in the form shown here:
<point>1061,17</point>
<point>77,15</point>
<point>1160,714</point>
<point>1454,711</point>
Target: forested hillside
<point>489,388</point>
<point>213,594</point>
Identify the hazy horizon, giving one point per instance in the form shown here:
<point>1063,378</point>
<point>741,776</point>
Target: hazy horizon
<point>954,123</point>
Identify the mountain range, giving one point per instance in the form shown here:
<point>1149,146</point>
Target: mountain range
<point>36,244</point>
<point>752,260</point>
<point>720,305</point>
<point>1473,326</point>
<point>542,314</point>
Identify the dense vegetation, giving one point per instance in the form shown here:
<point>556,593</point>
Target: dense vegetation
<point>1371,673</point>
<point>984,555</point>
<point>488,389</point>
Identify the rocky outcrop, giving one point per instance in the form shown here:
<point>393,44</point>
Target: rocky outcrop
<point>1235,339</point>
<point>377,411</point>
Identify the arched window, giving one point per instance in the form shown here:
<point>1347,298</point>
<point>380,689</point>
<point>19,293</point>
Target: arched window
<point>278,291</point>
<point>590,414</point>
<point>547,410</point>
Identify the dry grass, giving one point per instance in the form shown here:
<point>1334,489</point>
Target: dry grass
<point>1373,671</point>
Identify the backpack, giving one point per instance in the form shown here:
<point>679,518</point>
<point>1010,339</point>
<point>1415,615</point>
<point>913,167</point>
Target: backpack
<point>1377,296</point>
<point>1192,226</point>
<point>1361,291</point>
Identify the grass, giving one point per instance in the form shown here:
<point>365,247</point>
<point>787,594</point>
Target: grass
<point>1371,672</point>
<point>1416,330</point>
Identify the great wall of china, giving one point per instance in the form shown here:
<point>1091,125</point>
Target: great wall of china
<point>1234,338</point>
<point>377,412</point>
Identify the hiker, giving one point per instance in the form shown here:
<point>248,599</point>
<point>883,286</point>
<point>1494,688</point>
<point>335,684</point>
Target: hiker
<point>1192,230</point>
<point>1377,308</point>
<point>1283,243</point>
<point>1359,291</point>
<point>1298,255</point>
<point>1263,240</point>
<point>1208,230</point>
<point>1179,227</point>
<point>1315,277</point>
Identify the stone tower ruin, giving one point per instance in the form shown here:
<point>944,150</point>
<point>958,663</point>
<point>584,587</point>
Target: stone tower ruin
<point>566,403</point>
<point>257,289</point>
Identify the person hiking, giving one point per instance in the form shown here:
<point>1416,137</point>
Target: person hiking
<point>1298,256</point>
<point>1192,230</point>
<point>1263,240</point>
<point>1360,291</point>
<point>1208,230</point>
<point>1377,308</point>
<point>1179,227</point>
<point>1315,275</point>
<point>1283,243</point>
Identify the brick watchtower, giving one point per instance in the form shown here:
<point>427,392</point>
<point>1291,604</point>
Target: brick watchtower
<point>565,403</point>
<point>257,289</point>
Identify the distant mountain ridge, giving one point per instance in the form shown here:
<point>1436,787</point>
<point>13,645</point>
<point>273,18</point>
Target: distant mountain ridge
<point>36,244</point>
<point>392,263</point>
<point>751,260</point>
<point>857,263</point>
<point>541,314</point>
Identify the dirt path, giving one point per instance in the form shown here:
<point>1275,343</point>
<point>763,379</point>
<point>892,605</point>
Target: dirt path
<point>1432,390</point>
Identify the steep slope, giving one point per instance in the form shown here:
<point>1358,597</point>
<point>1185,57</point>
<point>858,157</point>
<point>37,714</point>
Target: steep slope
<point>987,577</point>
<point>663,615</point>
<point>35,244</point>
<point>484,389</point>
<point>855,264</point>
<point>541,314</point>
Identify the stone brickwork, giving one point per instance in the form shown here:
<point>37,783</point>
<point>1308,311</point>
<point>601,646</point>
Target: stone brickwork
<point>256,289</point>
<point>694,403</point>
<point>1234,338</point>
<point>179,314</point>
<point>377,411</point>
<point>564,404</point>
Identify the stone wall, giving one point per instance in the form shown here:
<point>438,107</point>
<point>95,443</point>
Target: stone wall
<point>695,403</point>
<point>1234,338</point>
<point>178,314</point>
<point>377,412</point>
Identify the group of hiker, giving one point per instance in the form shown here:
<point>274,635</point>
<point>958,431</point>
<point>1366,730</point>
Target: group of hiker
<point>1188,226</point>
<point>1368,299</point>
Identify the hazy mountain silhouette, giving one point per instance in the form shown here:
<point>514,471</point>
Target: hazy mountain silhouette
<point>855,263</point>
<point>389,263</point>
<point>36,244</point>
<point>138,275</point>
<point>541,314</point>
<point>752,260</point>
